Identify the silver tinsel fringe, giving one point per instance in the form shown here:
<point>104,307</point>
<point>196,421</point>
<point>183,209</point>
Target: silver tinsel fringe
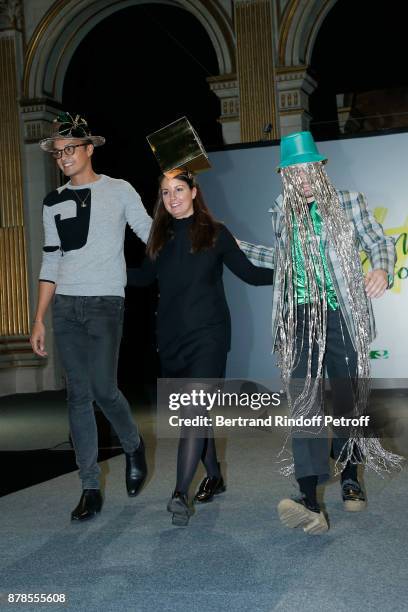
<point>340,235</point>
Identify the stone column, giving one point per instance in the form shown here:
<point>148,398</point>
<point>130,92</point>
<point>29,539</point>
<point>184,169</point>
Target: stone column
<point>20,220</point>
<point>294,86</point>
<point>41,176</point>
<point>226,89</point>
<point>256,70</point>
<point>15,351</point>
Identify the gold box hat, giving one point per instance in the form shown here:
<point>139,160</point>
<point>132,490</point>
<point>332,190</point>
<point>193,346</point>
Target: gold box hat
<point>178,145</point>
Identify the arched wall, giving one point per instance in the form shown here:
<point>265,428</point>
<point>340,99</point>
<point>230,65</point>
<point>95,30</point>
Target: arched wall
<point>300,25</point>
<point>64,26</point>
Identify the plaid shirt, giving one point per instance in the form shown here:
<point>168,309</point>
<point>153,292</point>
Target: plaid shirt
<point>369,237</point>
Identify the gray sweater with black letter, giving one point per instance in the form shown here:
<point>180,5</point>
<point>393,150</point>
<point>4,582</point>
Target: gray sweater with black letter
<point>84,231</point>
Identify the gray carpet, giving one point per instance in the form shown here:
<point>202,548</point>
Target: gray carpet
<point>234,555</point>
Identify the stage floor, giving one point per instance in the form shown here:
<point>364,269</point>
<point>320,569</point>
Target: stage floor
<point>234,555</point>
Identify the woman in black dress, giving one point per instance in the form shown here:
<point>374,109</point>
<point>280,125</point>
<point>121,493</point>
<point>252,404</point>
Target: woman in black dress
<point>186,251</point>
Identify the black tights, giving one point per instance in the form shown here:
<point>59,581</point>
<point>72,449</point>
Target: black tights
<point>190,450</point>
<point>196,443</point>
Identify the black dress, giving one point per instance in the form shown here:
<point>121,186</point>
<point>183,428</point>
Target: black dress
<point>193,319</point>
<point>193,324</point>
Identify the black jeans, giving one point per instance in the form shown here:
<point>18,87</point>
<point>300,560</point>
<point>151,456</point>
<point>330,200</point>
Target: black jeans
<point>311,452</point>
<point>88,332</point>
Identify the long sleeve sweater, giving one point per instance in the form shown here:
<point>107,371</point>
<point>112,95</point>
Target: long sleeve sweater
<point>84,231</point>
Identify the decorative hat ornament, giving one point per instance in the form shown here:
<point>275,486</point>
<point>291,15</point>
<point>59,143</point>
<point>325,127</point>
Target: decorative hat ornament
<point>68,127</point>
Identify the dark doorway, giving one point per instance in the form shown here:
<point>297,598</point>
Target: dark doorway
<point>136,71</point>
<point>359,49</point>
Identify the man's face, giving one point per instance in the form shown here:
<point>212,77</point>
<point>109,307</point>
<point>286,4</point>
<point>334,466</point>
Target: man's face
<point>307,189</point>
<point>79,161</point>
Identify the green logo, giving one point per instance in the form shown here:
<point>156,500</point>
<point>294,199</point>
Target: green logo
<point>379,354</point>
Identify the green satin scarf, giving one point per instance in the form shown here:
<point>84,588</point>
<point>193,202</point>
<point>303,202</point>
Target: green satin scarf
<point>300,277</point>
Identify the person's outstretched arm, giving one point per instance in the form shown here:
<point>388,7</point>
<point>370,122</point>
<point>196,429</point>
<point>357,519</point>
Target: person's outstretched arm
<point>379,248</point>
<point>260,256</point>
<point>136,214</point>
<point>239,264</point>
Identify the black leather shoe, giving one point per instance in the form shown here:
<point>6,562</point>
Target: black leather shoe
<point>178,505</point>
<point>354,499</point>
<point>136,470</point>
<point>209,487</point>
<point>89,505</point>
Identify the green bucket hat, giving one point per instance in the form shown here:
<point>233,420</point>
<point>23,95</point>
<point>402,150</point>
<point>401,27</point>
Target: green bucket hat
<point>298,148</point>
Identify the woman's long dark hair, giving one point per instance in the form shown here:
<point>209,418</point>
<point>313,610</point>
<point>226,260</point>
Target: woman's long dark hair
<point>204,228</point>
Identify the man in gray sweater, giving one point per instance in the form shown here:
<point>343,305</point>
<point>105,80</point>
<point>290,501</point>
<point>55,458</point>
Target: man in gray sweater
<point>84,273</point>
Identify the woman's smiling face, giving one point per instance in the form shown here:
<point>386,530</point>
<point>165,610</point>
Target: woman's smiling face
<point>178,197</point>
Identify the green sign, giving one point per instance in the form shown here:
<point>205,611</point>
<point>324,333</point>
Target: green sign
<point>379,354</point>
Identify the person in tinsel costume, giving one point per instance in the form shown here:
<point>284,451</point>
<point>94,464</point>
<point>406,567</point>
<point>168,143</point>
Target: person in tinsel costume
<point>322,320</point>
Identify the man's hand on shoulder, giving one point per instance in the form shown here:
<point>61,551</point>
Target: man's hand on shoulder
<point>376,282</point>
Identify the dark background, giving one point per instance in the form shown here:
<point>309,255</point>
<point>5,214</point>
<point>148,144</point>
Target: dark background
<point>134,73</point>
<point>360,47</point>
